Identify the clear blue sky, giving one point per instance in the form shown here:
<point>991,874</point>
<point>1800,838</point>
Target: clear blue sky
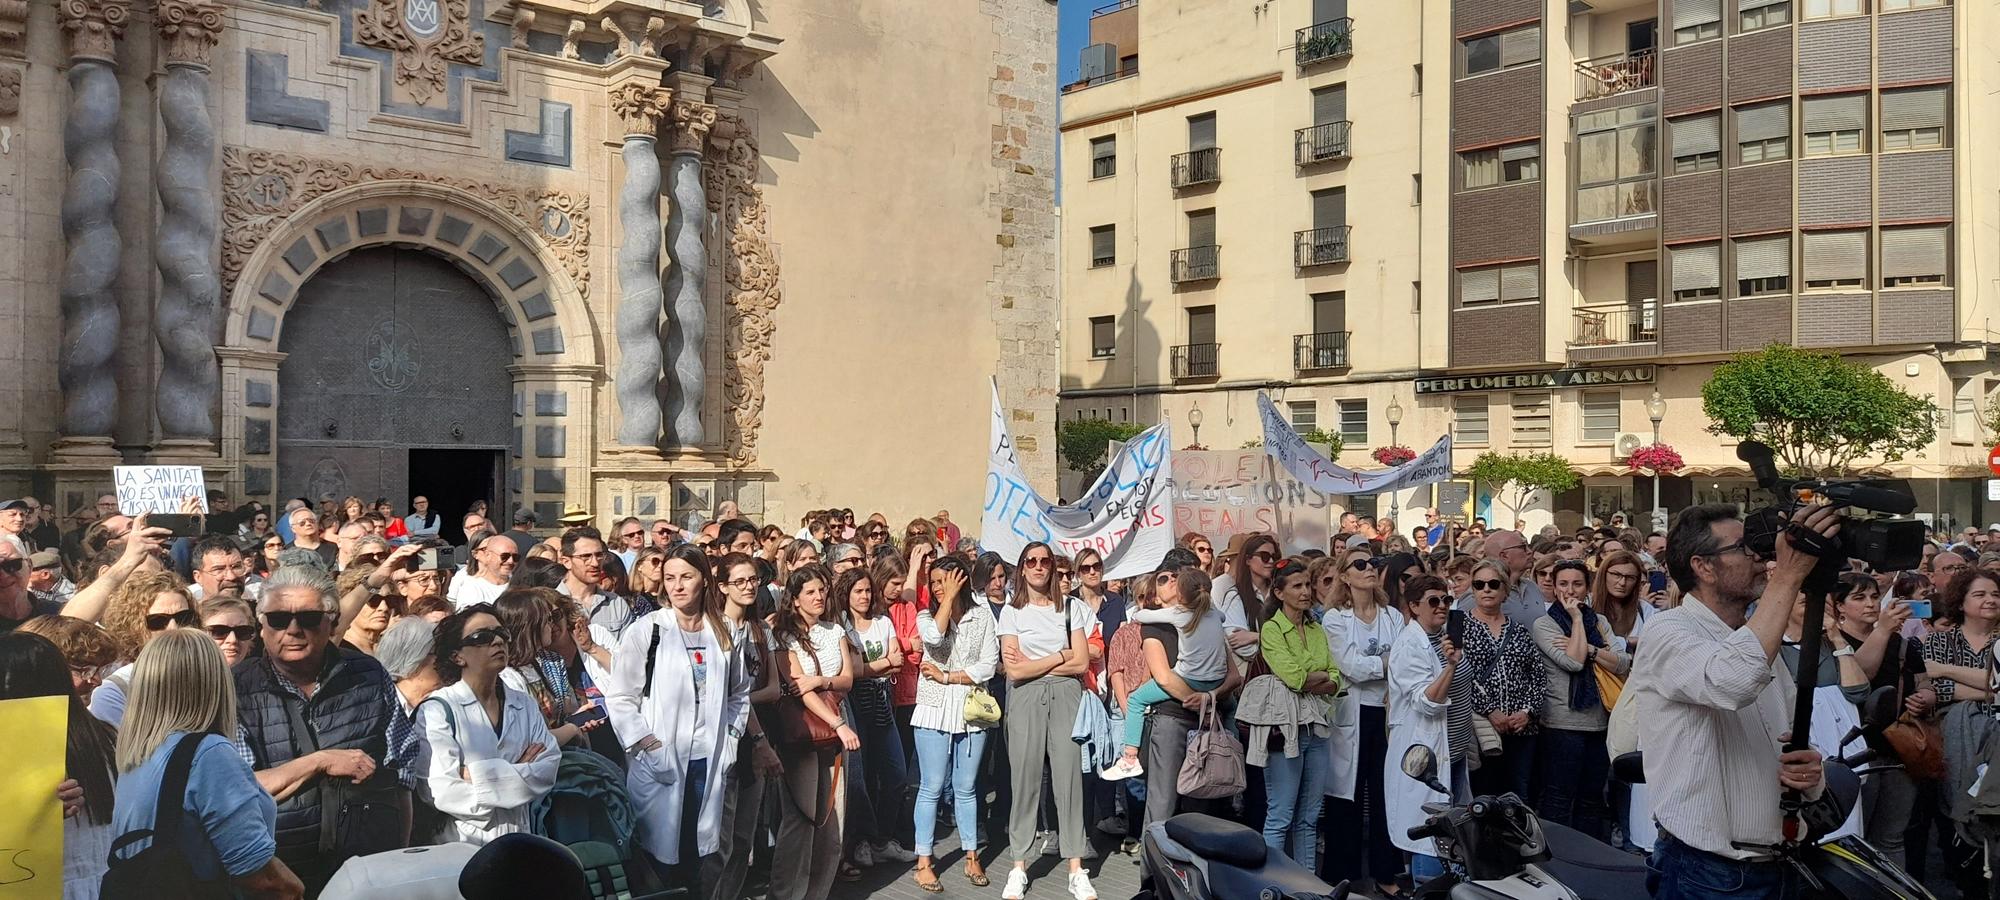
<point>1071,33</point>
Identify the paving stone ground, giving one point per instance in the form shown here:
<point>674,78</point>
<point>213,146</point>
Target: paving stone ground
<point>1115,875</point>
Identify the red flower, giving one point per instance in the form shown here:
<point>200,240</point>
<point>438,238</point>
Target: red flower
<point>1394,455</point>
<point>1656,458</point>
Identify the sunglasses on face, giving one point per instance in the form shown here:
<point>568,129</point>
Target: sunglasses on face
<point>1264,556</point>
<point>1483,584</point>
<point>1436,601</point>
<point>244,633</point>
<point>486,636</point>
<point>159,621</point>
<point>309,620</point>
<point>1164,577</point>
<point>1039,562</point>
<point>1362,565</point>
<point>632,534</point>
<point>1203,550</point>
<point>1090,567</point>
<point>12,565</point>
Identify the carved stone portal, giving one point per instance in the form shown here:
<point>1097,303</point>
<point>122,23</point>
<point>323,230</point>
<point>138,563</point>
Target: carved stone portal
<point>750,271</point>
<point>10,90</point>
<point>424,35</point>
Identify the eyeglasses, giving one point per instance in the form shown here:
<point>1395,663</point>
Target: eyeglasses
<point>1482,584</point>
<point>1362,565</point>
<point>184,619</point>
<point>1436,601</point>
<point>244,633</point>
<point>485,636</point>
<point>1039,562</point>
<point>1090,567</point>
<point>309,620</point>
<point>92,673</point>
<point>1740,547</point>
<point>740,582</point>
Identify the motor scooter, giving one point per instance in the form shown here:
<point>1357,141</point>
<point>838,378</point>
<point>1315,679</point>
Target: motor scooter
<point>1200,857</point>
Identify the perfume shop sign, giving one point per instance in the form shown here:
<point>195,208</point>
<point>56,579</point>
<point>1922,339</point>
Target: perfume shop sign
<point>1558,378</point>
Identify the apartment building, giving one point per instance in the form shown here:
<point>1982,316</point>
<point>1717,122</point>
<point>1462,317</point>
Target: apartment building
<point>1538,224</point>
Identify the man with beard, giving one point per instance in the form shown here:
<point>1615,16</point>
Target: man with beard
<point>486,574</point>
<point>219,568</point>
<point>583,555</point>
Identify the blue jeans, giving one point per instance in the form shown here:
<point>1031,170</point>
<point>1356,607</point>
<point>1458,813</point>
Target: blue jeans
<point>1680,872</point>
<point>1294,788</point>
<point>876,777</point>
<point>939,754</point>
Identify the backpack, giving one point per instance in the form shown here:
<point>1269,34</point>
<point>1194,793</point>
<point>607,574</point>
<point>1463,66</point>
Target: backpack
<point>162,869</point>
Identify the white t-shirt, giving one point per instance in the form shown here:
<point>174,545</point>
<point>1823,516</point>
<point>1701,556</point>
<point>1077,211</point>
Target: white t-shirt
<point>473,589</point>
<point>873,642</point>
<point>827,640</point>
<point>1040,630</point>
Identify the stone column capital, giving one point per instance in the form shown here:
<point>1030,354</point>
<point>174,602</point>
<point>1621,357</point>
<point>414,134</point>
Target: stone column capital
<point>93,27</point>
<point>188,31</point>
<point>692,121</point>
<point>641,107</point>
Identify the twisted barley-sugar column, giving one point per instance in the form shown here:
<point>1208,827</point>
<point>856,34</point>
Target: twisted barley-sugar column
<point>184,322</point>
<point>640,108</point>
<point>90,235</point>
<point>687,320</point>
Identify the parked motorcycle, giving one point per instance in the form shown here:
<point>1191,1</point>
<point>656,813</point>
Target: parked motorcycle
<point>1199,857</point>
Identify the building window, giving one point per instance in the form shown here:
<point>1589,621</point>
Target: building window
<point>1763,265</point>
<point>1500,284</point>
<point>1417,78</point>
<point>1201,131</point>
<point>1754,15</point>
<point>1832,126</point>
<point>1697,273</point>
<point>1763,132</point>
<point>1697,143</point>
<point>1900,5</point>
<point>1500,50</point>
<point>1827,9</point>
<point>1501,165</point>
<point>1468,420</point>
<point>1104,156</point>
<point>1914,257</point>
<point>1103,246</point>
<point>1834,260</point>
<point>1915,118</point>
<point>1531,419</point>
<point>1354,423</point>
<point>1696,20</point>
<point>1616,162</point>
<point>1305,415</point>
<point>1103,337</point>
<point>1597,415</point>
<point>1416,189</point>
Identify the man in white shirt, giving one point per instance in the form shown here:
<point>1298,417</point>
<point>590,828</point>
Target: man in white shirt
<point>486,574</point>
<point>1717,703</point>
<point>421,522</point>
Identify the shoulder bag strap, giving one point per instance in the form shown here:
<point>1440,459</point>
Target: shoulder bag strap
<point>168,810</point>
<point>449,718</point>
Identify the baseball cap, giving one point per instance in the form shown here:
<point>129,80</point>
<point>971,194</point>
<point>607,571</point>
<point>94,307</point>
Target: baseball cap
<point>15,504</point>
<point>524,516</point>
<point>1357,542</point>
<point>1990,528</point>
<point>44,559</point>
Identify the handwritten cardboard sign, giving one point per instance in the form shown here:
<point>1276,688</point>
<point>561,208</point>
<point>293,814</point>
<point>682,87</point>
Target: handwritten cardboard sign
<point>157,489</point>
<point>31,832</point>
<point>1223,493</point>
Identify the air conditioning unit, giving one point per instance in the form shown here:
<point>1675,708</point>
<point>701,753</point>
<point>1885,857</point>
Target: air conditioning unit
<point>1628,442</point>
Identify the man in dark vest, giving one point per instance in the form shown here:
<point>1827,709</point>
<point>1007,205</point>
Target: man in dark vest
<point>317,723</point>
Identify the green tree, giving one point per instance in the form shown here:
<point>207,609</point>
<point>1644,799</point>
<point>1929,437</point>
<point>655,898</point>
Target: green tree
<point>1316,436</point>
<point>1819,413</point>
<point>1082,442</point>
<point>1522,475</point>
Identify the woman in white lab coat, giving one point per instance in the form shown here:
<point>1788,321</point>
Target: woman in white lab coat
<point>490,754</point>
<point>1360,627</point>
<point>679,699</point>
<point>1419,697</point>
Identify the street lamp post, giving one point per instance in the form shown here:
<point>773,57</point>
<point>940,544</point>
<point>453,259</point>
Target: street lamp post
<point>1656,409</point>
<point>1194,421</point>
<point>1395,416</point>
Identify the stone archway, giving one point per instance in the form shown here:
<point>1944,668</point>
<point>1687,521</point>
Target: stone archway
<point>287,218</point>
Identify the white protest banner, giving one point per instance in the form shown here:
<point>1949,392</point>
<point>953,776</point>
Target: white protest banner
<point>1126,516</point>
<point>1305,463</point>
<point>157,489</point>
<point>1223,493</point>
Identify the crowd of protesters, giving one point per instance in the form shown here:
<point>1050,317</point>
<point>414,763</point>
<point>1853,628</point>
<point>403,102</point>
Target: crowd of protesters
<point>777,711</point>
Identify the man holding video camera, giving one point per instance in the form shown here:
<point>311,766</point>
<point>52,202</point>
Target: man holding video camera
<point>1718,707</point>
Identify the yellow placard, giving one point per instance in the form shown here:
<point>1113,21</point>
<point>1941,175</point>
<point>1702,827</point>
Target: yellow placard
<point>34,732</point>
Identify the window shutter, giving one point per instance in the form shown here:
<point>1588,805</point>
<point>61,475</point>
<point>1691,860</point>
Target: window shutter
<point>1521,46</point>
<point>1201,229</point>
<point>1696,134</point>
<point>1479,285</point>
<point>1763,122</point>
<point>1329,208</point>
<point>1835,255</point>
<point>1521,282</point>
<point>1689,13</point>
<point>1747,5</point>
<point>1912,251</point>
<point>1330,105</point>
<point>1103,148</point>
<point>1847,112</point>
<point>1102,243</point>
<point>1642,280</point>
<point>1531,150</point>
<point>1763,258</point>
<point>1913,108</point>
<point>1201,325</point>
<point>1329,10</point>
<point>1201,132</point>
<point>1697,268</point>
<point>1329,313</point>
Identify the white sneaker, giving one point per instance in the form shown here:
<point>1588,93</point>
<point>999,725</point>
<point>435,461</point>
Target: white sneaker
<point>1017,885</point>
<point>893,852</point>
<point>1079,886</point>
<point>861,858</point>
<point>1126,767</point>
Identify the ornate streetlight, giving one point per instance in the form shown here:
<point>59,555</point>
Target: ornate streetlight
<point>1395,416</point>
<point>1194,421</point>
<point>1656,409</point>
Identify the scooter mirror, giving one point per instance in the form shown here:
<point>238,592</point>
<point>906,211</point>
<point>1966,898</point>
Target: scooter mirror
<point>1879,711</point>
<point>1420,763</point>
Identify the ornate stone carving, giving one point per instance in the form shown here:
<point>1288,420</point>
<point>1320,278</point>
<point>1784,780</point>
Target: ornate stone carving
<point>424,35</point>
<point>93,27</point>
<point>261,189</point>
<point>10,90</point>
<point>572,35</point>
<point>692,121</point>
<point>638,34</point>
<point>750,271</point>
<point>13,28</point>
<point>524,22</point>
<point>188,30</point>
<point>640,107</point>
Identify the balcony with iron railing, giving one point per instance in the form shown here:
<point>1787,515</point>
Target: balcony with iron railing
<point>1327,40</point>
<point>1195,167</point>
<point>1320,143</point>
<point>1320,246</point>
<point>1618,73</point>
<point>1614,330</point>
<point>1202,263</point>
<point>1319,350</point>
<point>1192,361</point>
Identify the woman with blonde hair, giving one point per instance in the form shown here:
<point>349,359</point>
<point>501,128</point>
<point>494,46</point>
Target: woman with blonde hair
<point>351,510</point>
<point>183,712</point>
<point>142,608</point>
<point>1360,626</point>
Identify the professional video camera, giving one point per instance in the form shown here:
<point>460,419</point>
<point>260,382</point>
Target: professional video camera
<point>1889,542</point>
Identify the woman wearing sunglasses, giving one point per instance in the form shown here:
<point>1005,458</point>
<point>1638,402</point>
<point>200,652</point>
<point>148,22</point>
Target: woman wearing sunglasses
<point>491,754</point>
<point>1044,649</point>
<point>142,607</point>
<point>233,626</point>
<point>1505,670</point>
<point>1295,776</point>
<point>1360,627</point>
<point>1423,667</point>
<point>1244,590</point>
<point>1574,641</point>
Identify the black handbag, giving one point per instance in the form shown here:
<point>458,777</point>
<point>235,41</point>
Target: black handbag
<point>162,869</point>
